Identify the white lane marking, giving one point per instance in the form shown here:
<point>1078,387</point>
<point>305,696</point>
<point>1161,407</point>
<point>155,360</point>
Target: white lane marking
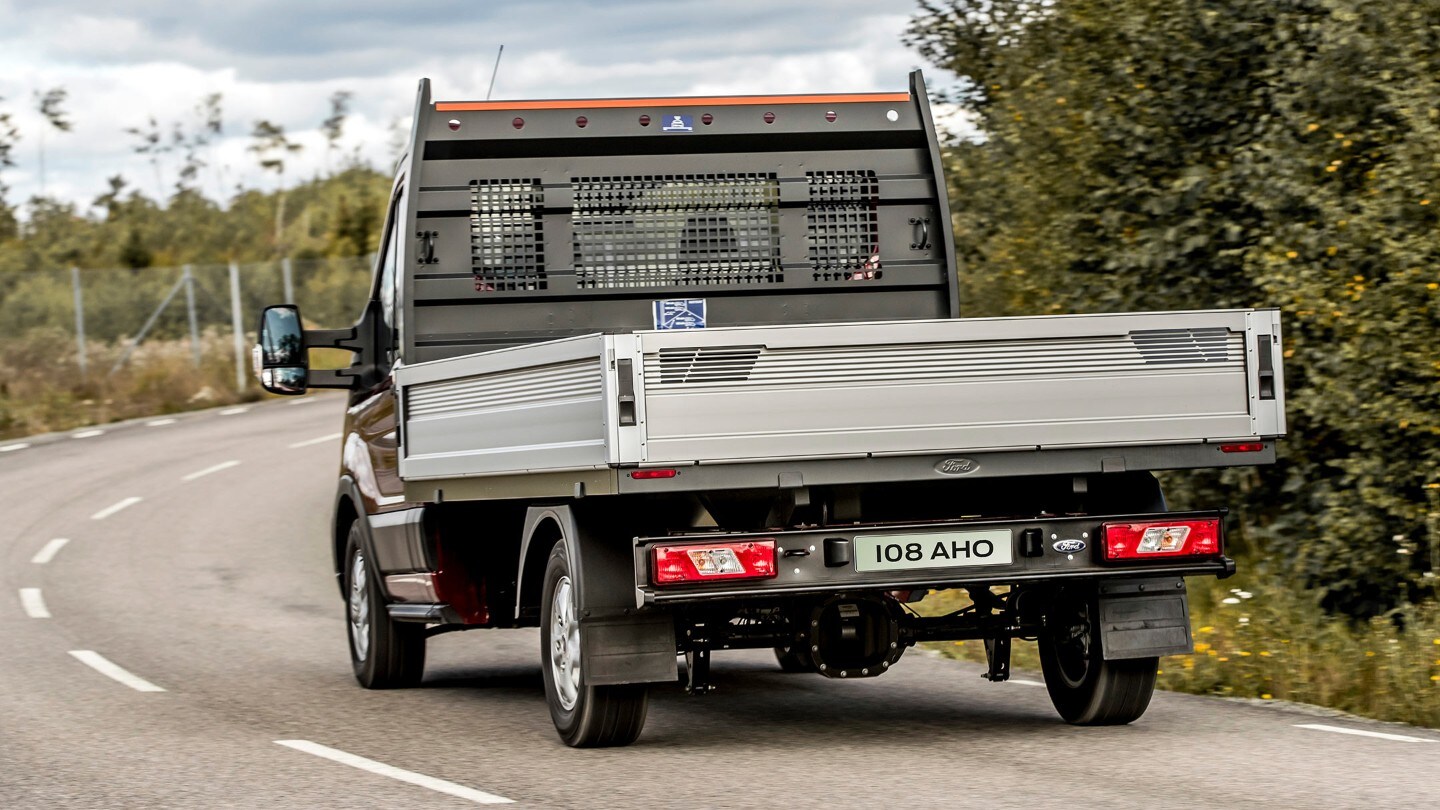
<point>332,437</point>
<point>159,422</point>
<point>233,411</point>
<point>34,603</point>
<point>224,465</point>
<point>109,669</point>
<point>12,447</point>
<point>437,785</point>
<point>1357,732</point>
<point>302,401</point>
<point>49,550</point>
<point>110,510</point>
<point>86,434</point>
<point>1026,682</point>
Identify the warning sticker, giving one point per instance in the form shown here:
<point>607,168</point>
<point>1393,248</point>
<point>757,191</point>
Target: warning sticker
<point>680,313</point>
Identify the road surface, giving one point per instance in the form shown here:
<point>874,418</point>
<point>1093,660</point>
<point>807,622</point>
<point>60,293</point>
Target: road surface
<point>173,637</point>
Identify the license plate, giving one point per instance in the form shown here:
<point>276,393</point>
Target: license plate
<point>898,552</point>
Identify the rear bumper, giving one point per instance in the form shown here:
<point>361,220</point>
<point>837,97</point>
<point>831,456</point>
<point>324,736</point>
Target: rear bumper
<point>802,567</point>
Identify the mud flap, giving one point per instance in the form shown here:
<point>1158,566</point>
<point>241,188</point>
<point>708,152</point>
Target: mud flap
<point>1144,618</point>
<point>628,649</point>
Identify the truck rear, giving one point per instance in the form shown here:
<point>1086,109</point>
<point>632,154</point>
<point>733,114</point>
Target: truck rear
<point>671,376</point>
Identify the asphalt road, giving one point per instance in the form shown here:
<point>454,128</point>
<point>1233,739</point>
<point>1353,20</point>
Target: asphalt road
<point>215,587</point>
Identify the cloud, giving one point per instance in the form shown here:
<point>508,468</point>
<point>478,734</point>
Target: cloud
<point>279,60</point>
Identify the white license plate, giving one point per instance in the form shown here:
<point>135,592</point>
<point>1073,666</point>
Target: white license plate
<point>898,552</point>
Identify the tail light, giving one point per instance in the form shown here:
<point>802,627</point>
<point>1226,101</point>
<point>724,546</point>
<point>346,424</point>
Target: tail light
<point>1162,539</point>
<point>753,559</point>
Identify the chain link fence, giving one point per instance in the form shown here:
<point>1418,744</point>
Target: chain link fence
<point>177,303</point>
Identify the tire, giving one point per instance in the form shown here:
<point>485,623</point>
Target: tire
<point>385,654</point>
<point>585,716</point>
<point>1086,689</point>
<point>793,659</point>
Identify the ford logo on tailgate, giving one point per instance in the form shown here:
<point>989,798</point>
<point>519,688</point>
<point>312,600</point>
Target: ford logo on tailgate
<point>957,466</point>
<point>1068,546</point>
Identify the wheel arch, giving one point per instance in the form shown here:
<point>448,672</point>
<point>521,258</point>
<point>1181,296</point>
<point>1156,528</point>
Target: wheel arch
<point>346,512</point>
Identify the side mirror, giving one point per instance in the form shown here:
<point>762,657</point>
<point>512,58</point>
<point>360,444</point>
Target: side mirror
<point>280,359</point>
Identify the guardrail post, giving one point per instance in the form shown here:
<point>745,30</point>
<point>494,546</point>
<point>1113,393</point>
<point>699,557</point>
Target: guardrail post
<point>236,323</point>
<point>79,319</point>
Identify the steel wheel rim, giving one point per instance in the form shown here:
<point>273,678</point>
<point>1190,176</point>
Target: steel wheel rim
<point>565,645</point>
<point>359,609</point>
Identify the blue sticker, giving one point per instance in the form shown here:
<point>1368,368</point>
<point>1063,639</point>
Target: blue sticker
<point>680,313</point>
<point>678,123</point>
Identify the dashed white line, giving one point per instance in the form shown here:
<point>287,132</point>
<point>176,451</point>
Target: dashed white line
<point>49,550</point>
<point>86,434</point>
<point>109,669</point>
<point>302,401</point>
<point>437,785</point>
<point>160,422</point>
<point>233,411</point>
<point>34,603</point>
<point>1357,732</point>
<point>224,465</point>
<point>112,509</point>
<point>13,447</point>
<point>1026,682</point>
<point>332,437</point>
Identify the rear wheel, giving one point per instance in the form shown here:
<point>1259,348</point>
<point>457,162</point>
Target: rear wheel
<point>585,716</point>
<point>1086,689</point>
<point>385,654</point>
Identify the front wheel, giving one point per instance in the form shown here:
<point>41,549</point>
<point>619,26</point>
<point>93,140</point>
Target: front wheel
<point>385,654</point>
<point>1086,689</point>
<point>585,716</point>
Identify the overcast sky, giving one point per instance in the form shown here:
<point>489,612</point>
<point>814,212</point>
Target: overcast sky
<point>123,62</point>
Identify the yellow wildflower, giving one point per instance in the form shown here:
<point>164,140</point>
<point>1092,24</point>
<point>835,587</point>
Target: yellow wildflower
<point>1208,629</point>
<point>1312,127</point>
<point>1369,653</point>
<point>1223,658</point>
<point>1265,696</point>
<point>1264,653</point>
<point>1244,654</point>
<point>1290,254</point>
<point>1201,647</point>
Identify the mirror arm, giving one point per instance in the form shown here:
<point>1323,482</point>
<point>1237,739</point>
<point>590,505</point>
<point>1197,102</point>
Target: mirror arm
<point>346,339</point>
<point>333,339</point>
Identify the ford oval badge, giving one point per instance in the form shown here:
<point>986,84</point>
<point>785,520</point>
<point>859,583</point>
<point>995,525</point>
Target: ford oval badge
<point>957,466</point>
<point>1068,546</point>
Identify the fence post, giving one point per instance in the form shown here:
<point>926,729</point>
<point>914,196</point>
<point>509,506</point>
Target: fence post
<point>79,318</point>
<point>190,309</point>
<point>286,273</point>
<point>237,325</point>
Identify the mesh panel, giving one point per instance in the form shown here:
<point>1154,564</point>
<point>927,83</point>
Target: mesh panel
<point>842,226</point>
<point>673,230</point>
<point>506,249</point>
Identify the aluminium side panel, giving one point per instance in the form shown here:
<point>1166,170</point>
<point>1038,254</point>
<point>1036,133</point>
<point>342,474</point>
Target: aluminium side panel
<point>875,389</point>
<point>530,409</point>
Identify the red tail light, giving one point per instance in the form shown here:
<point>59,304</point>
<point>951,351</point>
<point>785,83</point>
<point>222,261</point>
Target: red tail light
<point>1243,447</point>
<point>1162,539</point>
<point>648,475</point>
<point>754,559</point>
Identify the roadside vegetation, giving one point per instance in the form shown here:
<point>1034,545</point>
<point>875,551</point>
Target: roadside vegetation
<point>1152,155</point>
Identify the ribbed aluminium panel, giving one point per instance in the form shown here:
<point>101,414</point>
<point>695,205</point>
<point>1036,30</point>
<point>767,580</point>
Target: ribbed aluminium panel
<point>547,417</point>
<point>807,392</point>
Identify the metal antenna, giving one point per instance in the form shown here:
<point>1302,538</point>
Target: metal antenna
<point>494,71</point>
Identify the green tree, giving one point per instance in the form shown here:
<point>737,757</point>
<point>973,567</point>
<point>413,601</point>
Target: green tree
<point>272,146</point>
<point>1140,154</point>
<point>50,106</point>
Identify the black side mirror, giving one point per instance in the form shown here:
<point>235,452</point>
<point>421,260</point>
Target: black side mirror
<point>280,359</point>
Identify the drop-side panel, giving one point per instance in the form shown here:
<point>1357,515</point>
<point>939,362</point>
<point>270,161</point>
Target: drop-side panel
<point>533,409</point>
<point>943,386</point>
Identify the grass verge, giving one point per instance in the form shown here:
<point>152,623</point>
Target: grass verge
<point>1258,637</point>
